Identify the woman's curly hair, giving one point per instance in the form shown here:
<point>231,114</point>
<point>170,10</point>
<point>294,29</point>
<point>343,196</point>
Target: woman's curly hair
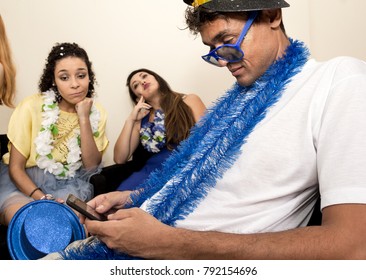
<point>61,51</point>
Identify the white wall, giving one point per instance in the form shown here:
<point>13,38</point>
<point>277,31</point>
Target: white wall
<point>121,36</point>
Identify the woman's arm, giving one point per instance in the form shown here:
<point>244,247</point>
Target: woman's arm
<point>129,138</point>
<point>127,141</point>
<point>90,155</point>
<point>18,175</point>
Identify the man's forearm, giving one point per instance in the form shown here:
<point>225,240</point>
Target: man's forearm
<point>340,237</point>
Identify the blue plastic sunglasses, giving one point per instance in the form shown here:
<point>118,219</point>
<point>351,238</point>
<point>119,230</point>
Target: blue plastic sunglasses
<point>230,52</point>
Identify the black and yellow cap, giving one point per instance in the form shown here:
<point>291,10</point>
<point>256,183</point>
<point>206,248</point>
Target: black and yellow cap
<point>238,5</point>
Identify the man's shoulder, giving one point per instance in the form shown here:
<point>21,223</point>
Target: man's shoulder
<point>338,67</point>
<point>346,63</point>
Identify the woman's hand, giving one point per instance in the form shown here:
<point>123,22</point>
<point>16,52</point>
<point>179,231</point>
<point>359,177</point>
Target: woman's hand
<point>140,110</point>
<point>83,108</point>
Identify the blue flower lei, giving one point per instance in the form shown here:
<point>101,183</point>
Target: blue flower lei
<point>152,135</point>
<point>212,148</point>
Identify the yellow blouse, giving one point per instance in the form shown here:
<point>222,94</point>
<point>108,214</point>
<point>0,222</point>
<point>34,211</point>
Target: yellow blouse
<point>25,124</point>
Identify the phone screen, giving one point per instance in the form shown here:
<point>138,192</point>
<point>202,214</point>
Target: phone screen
<point>84,208</point>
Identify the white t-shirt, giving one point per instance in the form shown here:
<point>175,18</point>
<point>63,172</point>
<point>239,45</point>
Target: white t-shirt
<point>313,139</point>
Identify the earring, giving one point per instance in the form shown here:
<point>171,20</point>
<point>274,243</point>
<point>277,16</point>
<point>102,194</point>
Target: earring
<point>58,96</point>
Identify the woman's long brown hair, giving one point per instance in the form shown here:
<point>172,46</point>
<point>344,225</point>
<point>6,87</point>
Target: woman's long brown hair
<point>7,90</point>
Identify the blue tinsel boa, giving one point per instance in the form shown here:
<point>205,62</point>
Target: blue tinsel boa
<point>213,146</point>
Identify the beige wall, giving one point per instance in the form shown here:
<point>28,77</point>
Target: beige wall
<point>120,36</point>
<point>338,28</point>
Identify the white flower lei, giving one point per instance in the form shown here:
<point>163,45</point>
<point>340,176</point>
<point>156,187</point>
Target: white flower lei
<point>44,139</point>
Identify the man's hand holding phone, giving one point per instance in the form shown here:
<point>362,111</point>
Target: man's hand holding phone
<point>111,202</point>
<point>83,208</point>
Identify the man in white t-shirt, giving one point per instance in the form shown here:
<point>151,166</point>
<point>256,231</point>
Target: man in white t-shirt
<point>245,183</point>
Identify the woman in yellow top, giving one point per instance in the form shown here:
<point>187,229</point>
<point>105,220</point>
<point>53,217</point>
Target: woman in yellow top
<point>57,137</point>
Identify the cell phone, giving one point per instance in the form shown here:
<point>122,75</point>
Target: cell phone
<point>85,209</point>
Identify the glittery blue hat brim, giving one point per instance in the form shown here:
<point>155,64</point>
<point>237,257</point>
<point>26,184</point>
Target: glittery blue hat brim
<point>241,5</point>
<point>42,227</point>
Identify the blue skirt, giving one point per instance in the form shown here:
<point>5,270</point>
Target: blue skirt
<point>78,185</point>
<point>153,163</point>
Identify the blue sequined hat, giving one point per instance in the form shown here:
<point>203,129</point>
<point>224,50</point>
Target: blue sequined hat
<point>238,5</point>
<point>42,227</point>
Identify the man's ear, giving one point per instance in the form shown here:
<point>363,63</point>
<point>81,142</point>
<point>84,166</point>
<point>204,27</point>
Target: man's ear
<point>273,16</point>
